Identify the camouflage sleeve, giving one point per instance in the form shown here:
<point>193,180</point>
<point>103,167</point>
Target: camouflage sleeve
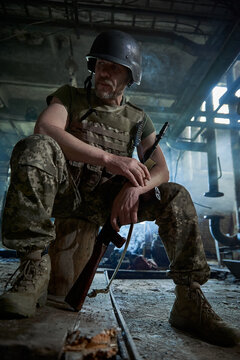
<point>64,94</point>
<point>148,128</point>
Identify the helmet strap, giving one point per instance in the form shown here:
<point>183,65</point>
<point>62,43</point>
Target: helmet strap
<point>88,87</point>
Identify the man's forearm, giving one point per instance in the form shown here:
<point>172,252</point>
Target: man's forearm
<point>77,150</point>
<point>159,176</point>
<point>73,148</point>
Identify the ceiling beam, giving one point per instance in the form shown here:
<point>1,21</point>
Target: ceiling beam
<point>193,96</point>
<point>213,9</point>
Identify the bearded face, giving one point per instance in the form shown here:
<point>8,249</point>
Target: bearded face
<point>110,79</point>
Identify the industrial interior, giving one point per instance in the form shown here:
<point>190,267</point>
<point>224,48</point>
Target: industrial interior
<point>191,79</point>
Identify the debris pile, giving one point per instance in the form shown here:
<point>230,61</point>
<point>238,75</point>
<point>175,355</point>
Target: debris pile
<point>98,347</point>
<point>145,251</point>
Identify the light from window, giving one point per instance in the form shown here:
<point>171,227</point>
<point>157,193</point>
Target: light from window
<point>217,93</point>
<point>221,121</point>
<point>237,93</point>
<point>203,106</point>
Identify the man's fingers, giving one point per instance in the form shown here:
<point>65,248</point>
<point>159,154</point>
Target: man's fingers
<point>134,217</point>
<point>132,169</point>
<point>139,177</point>
<point>146,172</point>
<point>132,178</point>
<point>130,217</point>
<point>114,223</point>
<point>136,176</point>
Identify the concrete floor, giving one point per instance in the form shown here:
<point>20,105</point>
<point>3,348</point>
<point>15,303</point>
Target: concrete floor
<point>41,338</point>
<point>145,306</point>
<point>57,332</point>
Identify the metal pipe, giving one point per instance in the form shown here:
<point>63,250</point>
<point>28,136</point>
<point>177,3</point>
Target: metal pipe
<point>215,229</point>
<point>210,148</point>
<point>214,220</point>
<point>187,145</point>
<point>235,146</point>
<point>130,345</point>
<point>235,143</point>
<point>212,164</point>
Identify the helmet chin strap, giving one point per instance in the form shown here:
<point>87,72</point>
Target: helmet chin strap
<point>88,87</point>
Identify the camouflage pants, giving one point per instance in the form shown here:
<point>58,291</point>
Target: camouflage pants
<point>42,188</point>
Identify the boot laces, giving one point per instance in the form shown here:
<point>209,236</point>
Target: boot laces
<point>196,294</point>
<point>28,269</point>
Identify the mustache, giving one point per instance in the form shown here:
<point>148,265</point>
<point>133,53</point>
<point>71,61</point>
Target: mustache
<point>105,81</point>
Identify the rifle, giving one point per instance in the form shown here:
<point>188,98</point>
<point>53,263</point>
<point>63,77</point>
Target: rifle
<point>78,292</point>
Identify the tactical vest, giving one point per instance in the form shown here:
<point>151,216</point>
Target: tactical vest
<point>110,128</point>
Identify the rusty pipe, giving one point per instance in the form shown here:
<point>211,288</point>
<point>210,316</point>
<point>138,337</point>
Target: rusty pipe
<point>215,229</point>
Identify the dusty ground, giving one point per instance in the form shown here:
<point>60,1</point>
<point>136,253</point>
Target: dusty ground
<point>145,306</point>
<point>6,269</point>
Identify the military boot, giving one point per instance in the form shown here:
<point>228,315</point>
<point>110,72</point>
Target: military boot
<point>192,312</point>
<point>29,288</point>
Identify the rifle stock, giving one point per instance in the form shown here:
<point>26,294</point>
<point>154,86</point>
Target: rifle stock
<point>78,292</point>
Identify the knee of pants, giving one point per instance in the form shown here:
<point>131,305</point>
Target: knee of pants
<point>173,189</point>
<point>179,200</point>
<point>40,151</point>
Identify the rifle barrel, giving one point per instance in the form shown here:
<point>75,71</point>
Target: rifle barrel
<point>150,151</point>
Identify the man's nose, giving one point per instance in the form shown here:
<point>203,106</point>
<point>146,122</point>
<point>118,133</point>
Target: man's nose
<point>105,71</point>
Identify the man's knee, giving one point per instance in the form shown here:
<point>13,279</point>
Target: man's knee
<point>171,190</point>
<point>39,151</point>
<point>35,145</point>
<point>172,187</point>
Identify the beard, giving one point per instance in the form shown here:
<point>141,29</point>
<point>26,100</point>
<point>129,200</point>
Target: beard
<point>109,93</point>
<point>105,94</point>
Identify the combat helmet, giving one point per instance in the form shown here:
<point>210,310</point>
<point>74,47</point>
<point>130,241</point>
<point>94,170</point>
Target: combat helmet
<point>118,47</point>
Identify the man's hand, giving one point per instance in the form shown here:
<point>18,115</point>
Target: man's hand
<point>125,206</point>
<point>130,168</point>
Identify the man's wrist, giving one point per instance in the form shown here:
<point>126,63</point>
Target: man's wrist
<point>137,189</point>
<point>105,158</point>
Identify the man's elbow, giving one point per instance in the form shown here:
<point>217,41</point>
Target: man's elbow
<point>41,128</point>
<point>38,129</point>
<point>163,175</point>
<point>167,176</point>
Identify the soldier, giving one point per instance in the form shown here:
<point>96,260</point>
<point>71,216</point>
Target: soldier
<point>67,170</point>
